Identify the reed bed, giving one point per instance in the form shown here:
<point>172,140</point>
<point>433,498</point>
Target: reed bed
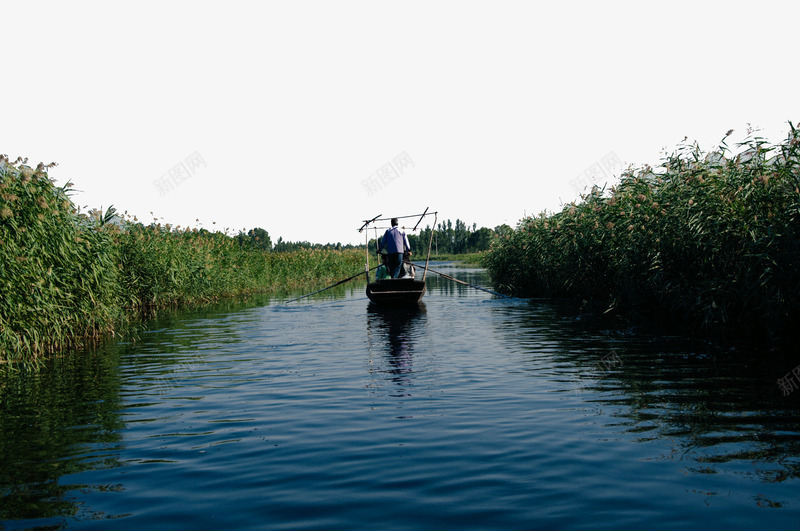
<point>708,241</point>
<point>68,279</point>
<point>162,267</point>
<point>58,274</point>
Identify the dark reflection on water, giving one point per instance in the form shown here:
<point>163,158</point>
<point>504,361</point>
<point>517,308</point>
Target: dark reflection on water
<point>465,411</point>
<point>719,412</point>
<point>58,421</point>
<point>392,331</point>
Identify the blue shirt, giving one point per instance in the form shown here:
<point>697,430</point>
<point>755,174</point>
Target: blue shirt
<point>395,241</point>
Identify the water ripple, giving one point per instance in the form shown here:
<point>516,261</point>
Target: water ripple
<point>468,411</point>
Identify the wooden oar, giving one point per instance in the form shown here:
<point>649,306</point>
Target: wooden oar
<point>448,277</point>
<point>333,285</point>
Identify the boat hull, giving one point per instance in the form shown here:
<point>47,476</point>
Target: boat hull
<point>396,291</point>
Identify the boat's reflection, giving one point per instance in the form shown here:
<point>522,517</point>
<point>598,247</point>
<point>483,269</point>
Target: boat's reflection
<point>391,333</point>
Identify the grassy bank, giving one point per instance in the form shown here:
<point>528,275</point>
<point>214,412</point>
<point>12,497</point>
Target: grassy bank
<point>464,258</point>
<point>68,279</point>
<point>708,241</point>
<point>164,267</point>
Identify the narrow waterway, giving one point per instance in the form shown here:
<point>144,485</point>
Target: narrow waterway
<point>470,411</point>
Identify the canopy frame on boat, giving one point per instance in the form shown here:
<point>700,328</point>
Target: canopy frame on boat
<point>390,291</point>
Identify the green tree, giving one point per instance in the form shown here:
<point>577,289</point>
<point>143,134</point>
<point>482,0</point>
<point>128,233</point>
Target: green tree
<point>257,238</point>
<point>449,238</point>
<point>503,230</point>
<point>260,238</point>
<point>479,240</point>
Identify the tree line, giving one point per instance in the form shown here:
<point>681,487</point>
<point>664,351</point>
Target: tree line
<point>453,238</point>
<point>259,238</point>
<point>448,238</point>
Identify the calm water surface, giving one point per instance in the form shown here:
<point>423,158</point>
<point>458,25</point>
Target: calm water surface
<point>470,411</point>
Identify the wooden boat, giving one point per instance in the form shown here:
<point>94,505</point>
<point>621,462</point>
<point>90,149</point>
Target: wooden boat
<point>397,291</point>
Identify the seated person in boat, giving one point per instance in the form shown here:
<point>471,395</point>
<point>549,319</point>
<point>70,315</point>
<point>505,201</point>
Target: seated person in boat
<point>408,268</point>
<point>382,271</point>
<point>396,243</point>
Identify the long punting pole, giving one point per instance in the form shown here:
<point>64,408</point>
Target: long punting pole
<point>366,251</point>
<point>331,286</point>
<point>420,219</point>
<point>398,217</point>
<point>448,277</point>
<point>368,221</point>
<point>430,241</point>
<point>366,243</point>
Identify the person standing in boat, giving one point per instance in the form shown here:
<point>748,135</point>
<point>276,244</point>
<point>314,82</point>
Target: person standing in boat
<point>396,243</point>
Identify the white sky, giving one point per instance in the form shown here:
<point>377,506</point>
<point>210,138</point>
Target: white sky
<point>293,106</point>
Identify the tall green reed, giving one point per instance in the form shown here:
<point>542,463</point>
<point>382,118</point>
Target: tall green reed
<point>68,279</point>
<point>163,267</point>
<point>57,270</point>
<point>706,240</point>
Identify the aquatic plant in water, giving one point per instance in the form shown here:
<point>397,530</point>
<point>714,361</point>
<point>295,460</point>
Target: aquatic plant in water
<point>707,240</point>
